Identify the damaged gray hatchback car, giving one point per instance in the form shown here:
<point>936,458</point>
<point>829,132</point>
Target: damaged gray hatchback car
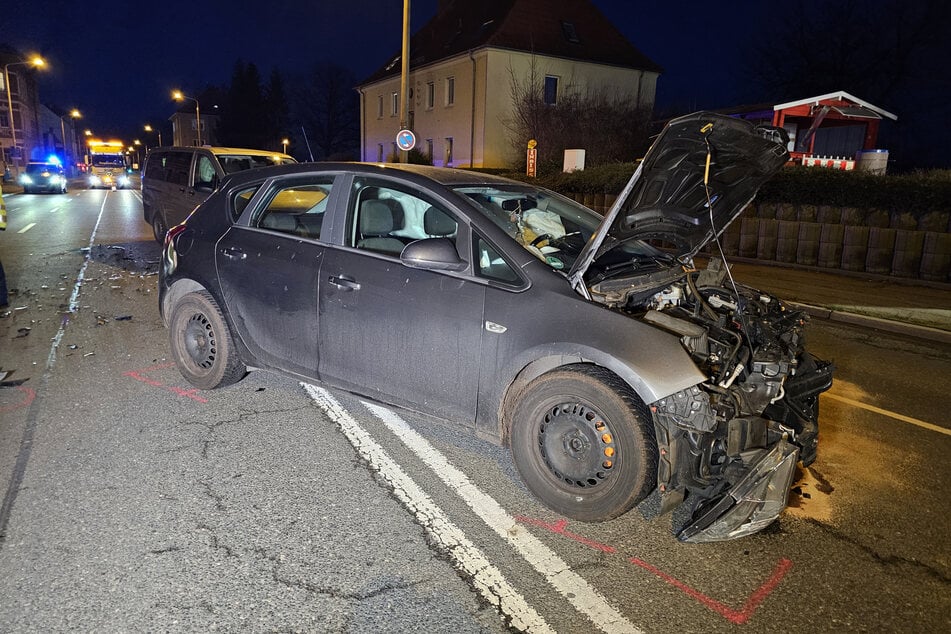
<point>592,346</point>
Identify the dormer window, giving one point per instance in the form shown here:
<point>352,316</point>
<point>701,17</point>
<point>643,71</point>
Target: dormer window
<point>568,30</point>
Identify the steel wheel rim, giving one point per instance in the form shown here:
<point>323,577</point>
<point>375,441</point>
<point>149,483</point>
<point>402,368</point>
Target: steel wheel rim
<point>200,342</point>
<point>577,445</point>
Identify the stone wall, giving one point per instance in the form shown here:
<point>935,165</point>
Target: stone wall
<point>897,244</point>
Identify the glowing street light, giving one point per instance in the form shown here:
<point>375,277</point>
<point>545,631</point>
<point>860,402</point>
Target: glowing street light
<point>35,61</point>
<point>178,95</point>
<point>284,142</point>
<point>148,128</point>
<point>75,114</point>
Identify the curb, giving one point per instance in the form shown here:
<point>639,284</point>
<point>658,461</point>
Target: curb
<point>876,323</point>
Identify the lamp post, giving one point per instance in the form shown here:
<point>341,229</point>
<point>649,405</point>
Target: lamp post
<point>284,143</point>
<point>87,133</point>
<point>177,95</point>
<point>36,61</point>
<point>148,128</point>
<point>75,114</point>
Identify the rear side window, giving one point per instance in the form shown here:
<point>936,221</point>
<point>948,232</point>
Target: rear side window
<point>176,168</point>
<point>296,208</point>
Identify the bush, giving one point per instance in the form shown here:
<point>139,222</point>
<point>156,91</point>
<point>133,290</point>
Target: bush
<point>916,193</point>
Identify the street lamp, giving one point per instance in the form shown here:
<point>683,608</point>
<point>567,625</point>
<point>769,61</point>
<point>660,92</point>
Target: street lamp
<point>177,95</point>
<point>148,128</point>
<point>284,142</point>
<point>36,61</point>
<point>75,114</point>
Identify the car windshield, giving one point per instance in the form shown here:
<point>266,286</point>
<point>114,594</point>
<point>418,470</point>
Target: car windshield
<point>552,227</point>
<point>36,168</point>
<point>108,161</point>
<point>239,162</point>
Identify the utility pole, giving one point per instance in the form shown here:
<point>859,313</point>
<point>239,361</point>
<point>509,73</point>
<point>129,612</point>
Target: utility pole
<point>404,79</point>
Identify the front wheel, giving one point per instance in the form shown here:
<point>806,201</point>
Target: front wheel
<point>583,443</point>
<point>159,228</point>
<point>201,343</point>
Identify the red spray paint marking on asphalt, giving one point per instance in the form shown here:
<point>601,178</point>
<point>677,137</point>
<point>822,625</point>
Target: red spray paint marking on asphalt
<point>734,616</point>
<point>139,375</point>
<point>28,397</point>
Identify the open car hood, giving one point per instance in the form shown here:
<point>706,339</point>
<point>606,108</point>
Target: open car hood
<point>666,198</point>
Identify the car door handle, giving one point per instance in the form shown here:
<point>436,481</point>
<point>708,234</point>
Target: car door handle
<point>233,253</point>
<point>344,283</point>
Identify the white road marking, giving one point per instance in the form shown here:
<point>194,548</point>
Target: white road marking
<point>553,568</point>
<point>487,578</point>
<point>27,228</point>
<point>885,412</point>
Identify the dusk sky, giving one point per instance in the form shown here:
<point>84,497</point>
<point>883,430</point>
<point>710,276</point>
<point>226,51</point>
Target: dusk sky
<point>118,62</point>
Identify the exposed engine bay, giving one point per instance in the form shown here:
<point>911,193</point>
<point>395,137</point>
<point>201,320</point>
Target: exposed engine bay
<point>762,389</point>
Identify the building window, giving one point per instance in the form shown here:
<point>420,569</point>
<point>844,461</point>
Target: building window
<point>430,95</point>
<point>568,30</point>
<point>448,161</point>
<point>379,107</point>
<point>395,104</point>
<point>4,119</point>
<point>379,151</point>
<point>450,91</point>
<point>14,85</point>
<point>551,90</point>
<point>394,152</point>
<point>429,149</point>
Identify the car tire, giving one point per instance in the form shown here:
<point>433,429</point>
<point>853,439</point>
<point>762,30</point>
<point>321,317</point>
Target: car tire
<point>201,343</point>
<point>159,228</point>
<point>583,443</point>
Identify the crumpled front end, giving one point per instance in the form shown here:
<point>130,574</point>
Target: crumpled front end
<point>753,503</point>
<point>728,447</point>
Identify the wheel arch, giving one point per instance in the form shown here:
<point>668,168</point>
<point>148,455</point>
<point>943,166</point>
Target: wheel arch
<point>648,385</point>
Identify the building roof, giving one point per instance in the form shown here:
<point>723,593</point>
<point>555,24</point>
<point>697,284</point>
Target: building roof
<point>570,29</point>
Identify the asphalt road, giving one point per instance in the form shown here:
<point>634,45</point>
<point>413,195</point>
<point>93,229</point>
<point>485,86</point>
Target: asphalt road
<point>134,503</point>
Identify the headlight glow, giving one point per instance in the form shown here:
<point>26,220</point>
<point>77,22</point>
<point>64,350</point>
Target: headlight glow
<point>25,179</point>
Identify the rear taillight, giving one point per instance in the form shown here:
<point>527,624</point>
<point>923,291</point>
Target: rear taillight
<point>171,255</point>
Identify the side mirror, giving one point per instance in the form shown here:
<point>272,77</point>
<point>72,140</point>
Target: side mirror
<point>433,254</point>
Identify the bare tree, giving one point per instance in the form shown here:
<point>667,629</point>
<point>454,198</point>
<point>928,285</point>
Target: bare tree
<point>609,127</point>
<point>326,106</point>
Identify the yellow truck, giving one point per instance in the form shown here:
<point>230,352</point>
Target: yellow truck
<point>108,165</point>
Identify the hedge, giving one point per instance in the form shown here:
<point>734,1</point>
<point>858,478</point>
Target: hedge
<point>916,193</point>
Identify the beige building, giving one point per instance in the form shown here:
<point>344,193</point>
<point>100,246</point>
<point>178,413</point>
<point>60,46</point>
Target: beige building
<point>24,96</point>
<point>463,64</point>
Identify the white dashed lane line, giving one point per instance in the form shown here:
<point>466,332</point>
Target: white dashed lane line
<point>890,414</point>
<point>27,228</point>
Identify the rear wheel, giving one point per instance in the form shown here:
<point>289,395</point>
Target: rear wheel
<point>583,443</point>
<point>201,343</point>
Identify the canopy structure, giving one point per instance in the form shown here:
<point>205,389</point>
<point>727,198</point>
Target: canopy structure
<point>836,124</point>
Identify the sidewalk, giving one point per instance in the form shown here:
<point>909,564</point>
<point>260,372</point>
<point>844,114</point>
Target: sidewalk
<point>914,308</point>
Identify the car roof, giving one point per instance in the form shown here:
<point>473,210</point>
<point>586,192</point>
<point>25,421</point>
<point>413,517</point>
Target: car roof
<point>216,150</point>
<point>442,175</point>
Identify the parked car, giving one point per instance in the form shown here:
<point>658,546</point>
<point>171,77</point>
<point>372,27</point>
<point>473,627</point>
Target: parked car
<point>610,365</point>
<point>175,179</point>
<point>43,177</point>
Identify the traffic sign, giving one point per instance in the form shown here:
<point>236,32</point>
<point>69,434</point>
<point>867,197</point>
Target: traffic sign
<point>406,140</point>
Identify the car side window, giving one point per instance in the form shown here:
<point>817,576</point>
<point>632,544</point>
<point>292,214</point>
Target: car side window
<point>490,264</point>
<point>204,175</point>
<point>296,208</point>
<point>177,168</point>
<point>385,219</point>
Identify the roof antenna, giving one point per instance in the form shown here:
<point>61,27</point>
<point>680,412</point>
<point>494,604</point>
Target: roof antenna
<point>304,132</point>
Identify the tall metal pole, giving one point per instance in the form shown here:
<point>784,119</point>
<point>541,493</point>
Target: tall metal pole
<point>404,79</point>
<point>6,81</point>
<point>198,121</point>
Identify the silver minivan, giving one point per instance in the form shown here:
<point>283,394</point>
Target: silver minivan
<point>176,179</point>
